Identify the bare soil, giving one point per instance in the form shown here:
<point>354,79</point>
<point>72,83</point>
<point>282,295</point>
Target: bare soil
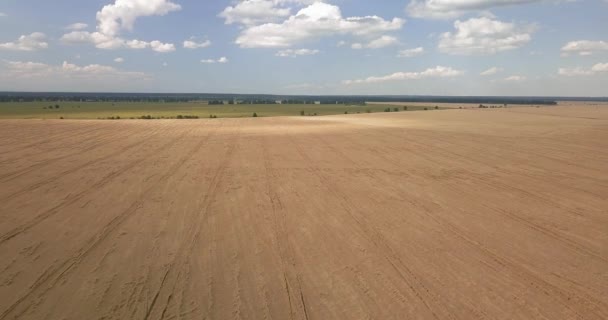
<point>456,214</point>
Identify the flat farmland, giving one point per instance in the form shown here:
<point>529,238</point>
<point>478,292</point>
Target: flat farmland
<point>452,214</point>
<point>125,110</point>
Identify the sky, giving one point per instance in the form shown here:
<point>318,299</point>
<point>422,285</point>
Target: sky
<point>360,47</point>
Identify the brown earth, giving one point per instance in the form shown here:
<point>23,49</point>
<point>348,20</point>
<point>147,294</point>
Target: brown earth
<point>459,214</point>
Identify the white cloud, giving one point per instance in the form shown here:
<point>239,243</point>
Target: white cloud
<point>383,41</point>
<point>491,71</point>
<point>578,71</point>
<point>121,15</point>
<point>446,9</point>
<point>77,26</point>
<point>100,40</point>
<point>189,44</point>
<point>30,69</point>
<point>600,67</point>
<point>437,72</point>
<point>103,41</point>
<point>250,12</point>
<point>162,47</point>
<point>32,42</point>
<point>570,72</point>
<point>296,52</point>
<point>584,47</point>
<point>253,12</point>
<point>409,53</point>
<point>37,76</point>
<point>2,14</point>
<point>119,60</point>
<point>483,36</point>
<point>312,22</point>
<point>220,60</point>
<point>515,78</point>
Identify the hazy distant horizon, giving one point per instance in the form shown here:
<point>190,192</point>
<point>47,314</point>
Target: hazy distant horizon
<point>293,95</point>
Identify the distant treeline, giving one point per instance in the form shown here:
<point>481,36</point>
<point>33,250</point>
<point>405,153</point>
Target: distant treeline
<point>273,99</point>
<point>289,101</point>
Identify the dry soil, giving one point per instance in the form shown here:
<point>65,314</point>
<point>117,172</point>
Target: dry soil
<point>457,214</point>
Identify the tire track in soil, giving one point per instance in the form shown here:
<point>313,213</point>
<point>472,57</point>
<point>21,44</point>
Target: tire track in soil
<point>47,162</point>
<point>499,186</point>
<point>556,235</point>
<point>187,247</point>
<point>52,139</point>
<point>54,276</point>
<point>71,170</point>
<point>180,254</point>
<point>15,174</point>
<point>63,145</point>
<point>374,237</point>
<point>297,302</point>
<point>541,284</point>
<point>74,198</point>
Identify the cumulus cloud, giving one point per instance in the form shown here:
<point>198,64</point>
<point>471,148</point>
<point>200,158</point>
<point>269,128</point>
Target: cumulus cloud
<point>20,69</point>
<point>515,78</point>
<point>483,36</point>
<point>121,15</point>
<point>491,71</point>
<point>296,52</point>
<point>600,67</point>
<point>100,40</point>
<point>119,60</point>
<point>220,60</point>
<point>250,12</point>
<point>162,47</point>
<point>103,41</point>
<point>381,42</point>
<point>409,53</point>
<point>584,47</point>
<point>436,72</point>
<point>447,9</point>
<point>314,21</point>
<point>32,42</point>
<point>189,44</point>
<point>579,71</point>
<point>77,26</point>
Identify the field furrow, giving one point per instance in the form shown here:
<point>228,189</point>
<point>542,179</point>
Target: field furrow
<point>452,214</point>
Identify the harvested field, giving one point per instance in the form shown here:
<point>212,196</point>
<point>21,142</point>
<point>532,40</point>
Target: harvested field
<point>455,214</point>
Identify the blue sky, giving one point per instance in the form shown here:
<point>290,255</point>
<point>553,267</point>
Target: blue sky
<point>437,47</point>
